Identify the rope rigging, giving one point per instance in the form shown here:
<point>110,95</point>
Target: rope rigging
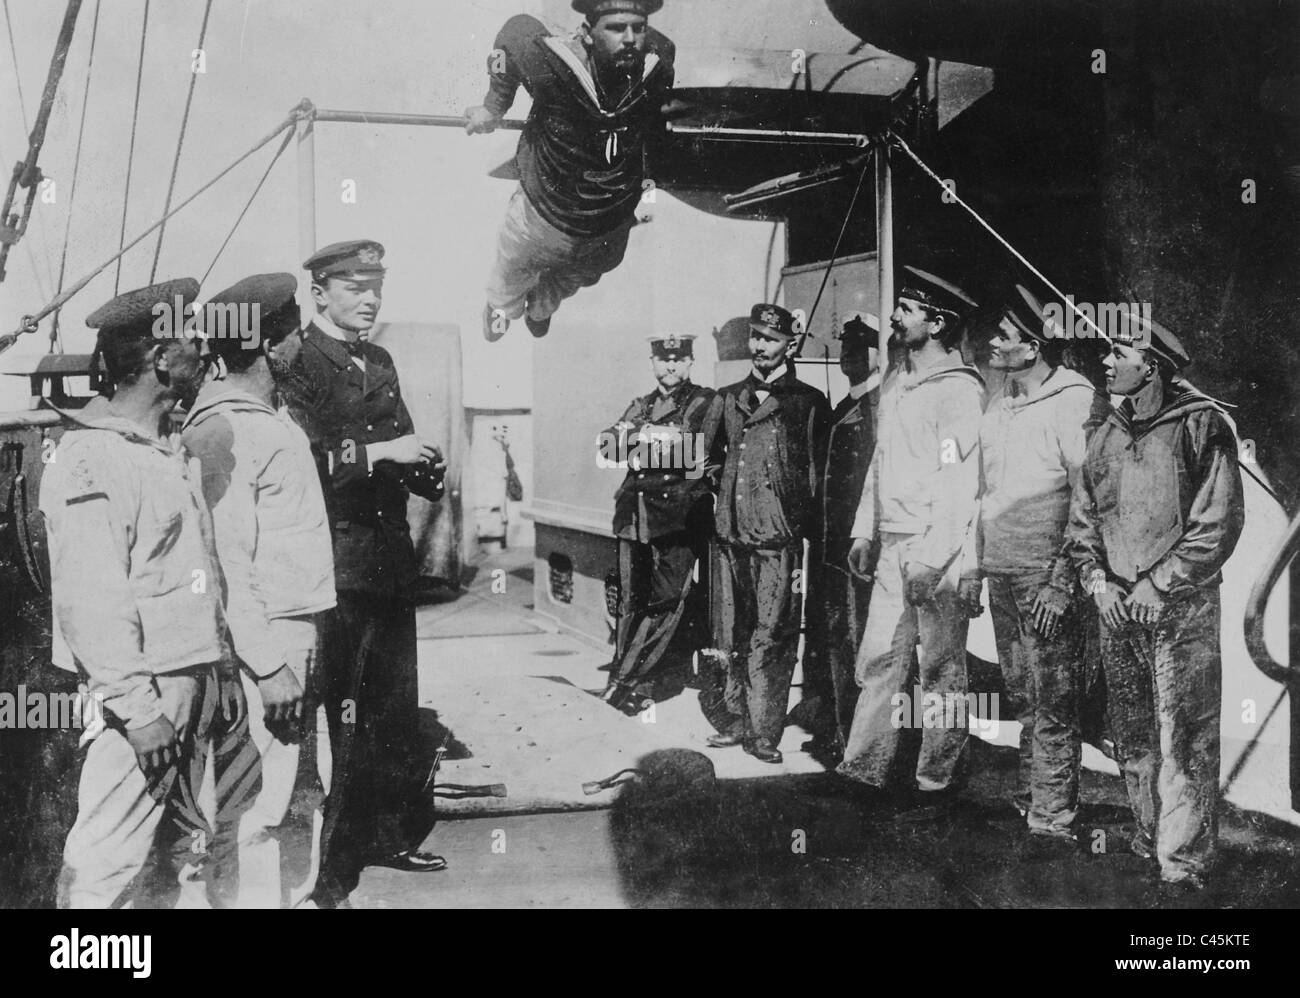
<point>29,322</point>
<point>180,141</point>
<point>284,144</point>
<point>835,253</point>
<point>56,345</point>
<point>896,140</point>
<point>130,153</point>
<point>26,173</point>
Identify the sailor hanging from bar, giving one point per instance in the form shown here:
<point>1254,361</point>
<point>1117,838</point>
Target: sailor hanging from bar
<point>597,100</point>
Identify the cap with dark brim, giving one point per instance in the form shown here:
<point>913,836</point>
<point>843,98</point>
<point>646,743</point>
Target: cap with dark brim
<point>668,347</point>
<point>936,293</point>
<point>1026,313</point>
<point>353,258</point>
<point>593,9</point>
<point>271,300</point>
<point>773,319</point>
<point>1144,333</point>
<point>135,311</point>
<point>863,326</point>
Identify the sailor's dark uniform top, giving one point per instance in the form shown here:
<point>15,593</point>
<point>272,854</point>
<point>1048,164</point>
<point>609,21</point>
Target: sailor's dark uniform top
<point>581,156</point>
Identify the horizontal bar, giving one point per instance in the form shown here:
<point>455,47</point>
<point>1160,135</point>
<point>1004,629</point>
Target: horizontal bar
<point>390,118</point>
<point>771,135</point>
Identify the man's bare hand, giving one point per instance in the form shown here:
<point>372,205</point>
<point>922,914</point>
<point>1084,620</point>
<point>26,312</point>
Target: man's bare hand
<point>1146,603</point>
<point>480,121</point>
<point>1048,610</point>
<point>155,745</point>
<point>1110,605</point>
<point>281,696</point>
<point>860,558</point>
<point>230,693</point>
<point>409,449</point>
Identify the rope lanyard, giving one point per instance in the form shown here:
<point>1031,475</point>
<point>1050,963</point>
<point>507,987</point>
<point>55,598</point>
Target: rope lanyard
<point>180,141</point>
<point>130,152</point>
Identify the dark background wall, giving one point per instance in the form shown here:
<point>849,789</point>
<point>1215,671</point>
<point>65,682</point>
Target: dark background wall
<point>1127,184</point>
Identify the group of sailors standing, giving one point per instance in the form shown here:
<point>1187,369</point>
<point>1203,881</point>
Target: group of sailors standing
<point>911,495</point>
<point>211,587</point>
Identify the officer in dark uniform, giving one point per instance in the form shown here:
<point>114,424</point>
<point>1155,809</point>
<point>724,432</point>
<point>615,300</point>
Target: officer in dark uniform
<point>662,518</point>
<point>767,439</point>
<point>837,599</point>
<point>345,394</point>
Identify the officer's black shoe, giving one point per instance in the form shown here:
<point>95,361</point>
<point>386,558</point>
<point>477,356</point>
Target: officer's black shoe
<point>765,751</point>
<point>723,740</point>
<point>413,861</point>
<point>495,323</point>
<point>615,693</point>
<point>827,751</point>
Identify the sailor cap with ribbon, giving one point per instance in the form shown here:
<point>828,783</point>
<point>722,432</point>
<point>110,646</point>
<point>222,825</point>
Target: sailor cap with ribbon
<point>936,293</point>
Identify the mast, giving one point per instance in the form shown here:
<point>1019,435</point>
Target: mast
<point>26,173</point>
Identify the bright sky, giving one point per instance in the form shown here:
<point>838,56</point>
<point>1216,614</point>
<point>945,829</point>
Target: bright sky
<point>423,192</point>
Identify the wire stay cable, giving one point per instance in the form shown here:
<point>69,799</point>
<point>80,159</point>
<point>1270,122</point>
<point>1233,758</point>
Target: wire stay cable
<point>898,141</point>
<point>130,152</point>
<point>252,197</point>
<point>29,322</point>
<point>180,141</point>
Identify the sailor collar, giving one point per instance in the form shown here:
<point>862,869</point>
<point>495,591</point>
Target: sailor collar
<point>122,426</point>
<point>583,73</point>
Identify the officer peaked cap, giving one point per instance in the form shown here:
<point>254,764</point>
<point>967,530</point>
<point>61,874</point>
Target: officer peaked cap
<point>593,9</point>
<point>672,347</point>
<point>773,319</point>
<point>354,258</point>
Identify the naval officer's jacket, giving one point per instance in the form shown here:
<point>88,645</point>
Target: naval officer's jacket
<point>343,409</point>
<point>851,440</point>
<point>769,457</point>
<point>654,502</point>
<point>134,580</point>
